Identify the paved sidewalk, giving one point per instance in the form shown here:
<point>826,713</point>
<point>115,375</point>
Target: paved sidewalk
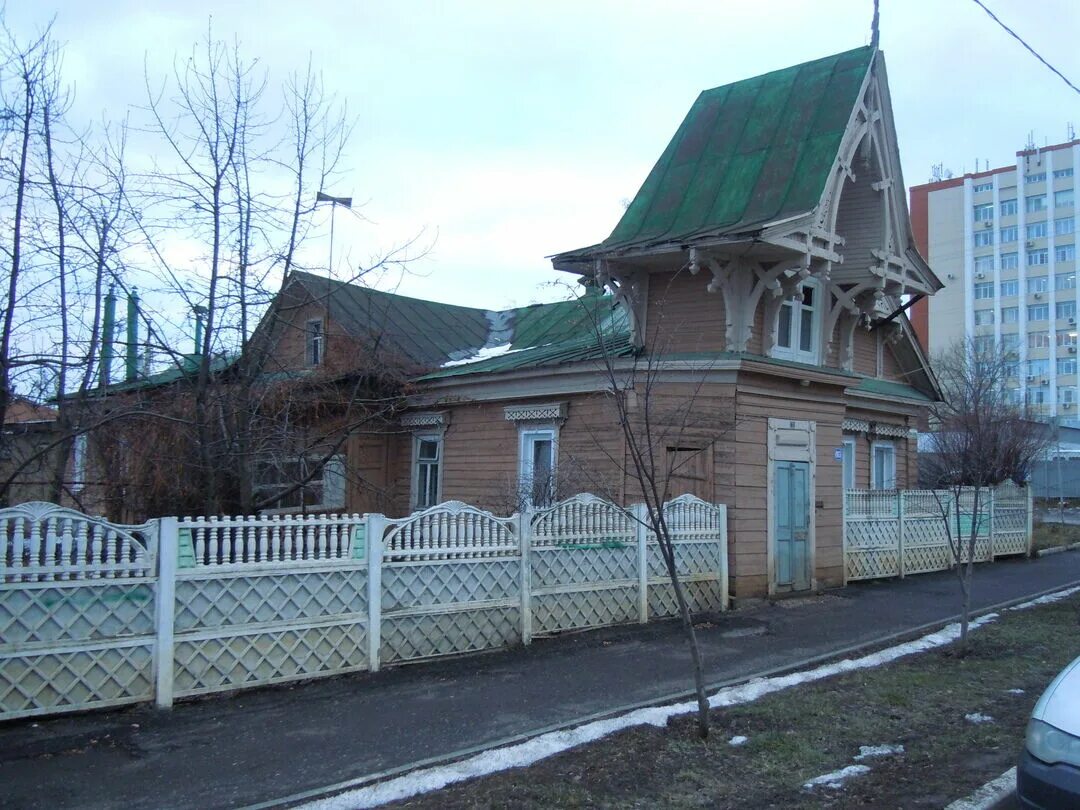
<point>266,744</point>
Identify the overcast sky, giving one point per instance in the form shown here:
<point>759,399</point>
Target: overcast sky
<point>516,130</point>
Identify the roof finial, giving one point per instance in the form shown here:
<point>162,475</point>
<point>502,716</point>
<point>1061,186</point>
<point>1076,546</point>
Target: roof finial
<point>874,30</point>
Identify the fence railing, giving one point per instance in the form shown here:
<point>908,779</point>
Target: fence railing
<point>93,614</point>
<point>896,533</point>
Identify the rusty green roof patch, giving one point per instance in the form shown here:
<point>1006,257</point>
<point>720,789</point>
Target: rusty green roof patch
<point>888,388</point>
<point>748,153</point>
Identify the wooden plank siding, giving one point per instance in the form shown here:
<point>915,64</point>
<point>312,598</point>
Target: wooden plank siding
<point>759,398</point>
<point>683,316</point>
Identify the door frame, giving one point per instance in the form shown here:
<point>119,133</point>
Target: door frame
<point>791,440</point>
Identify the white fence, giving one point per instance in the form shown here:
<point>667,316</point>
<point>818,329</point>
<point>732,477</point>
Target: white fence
<point>91,614</point>
<point>896,533</point>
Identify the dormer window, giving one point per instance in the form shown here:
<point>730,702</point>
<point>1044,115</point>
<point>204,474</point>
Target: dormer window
<point>315,338</point>
<point>798,326</point>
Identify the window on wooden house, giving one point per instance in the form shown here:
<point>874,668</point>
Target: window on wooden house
<point>849,462</point>
<point>537,463</point>
<point>798,326</point>
<point>883,466</point>
<point>315,342</point>
<point>427,470</point>
<point>300,482</point>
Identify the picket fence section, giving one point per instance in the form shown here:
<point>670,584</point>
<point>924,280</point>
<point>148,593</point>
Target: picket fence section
<point>896,533</point>
<point>95,614</point>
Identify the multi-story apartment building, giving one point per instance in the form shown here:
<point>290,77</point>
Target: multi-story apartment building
<point>1004,243</point>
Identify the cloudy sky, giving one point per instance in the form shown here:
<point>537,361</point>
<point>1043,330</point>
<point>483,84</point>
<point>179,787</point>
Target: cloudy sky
<point>514,130</point>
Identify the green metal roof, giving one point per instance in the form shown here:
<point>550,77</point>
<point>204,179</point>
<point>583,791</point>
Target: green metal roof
<point>887,388</point>
<point>431,334</point>
<point>747,154</point>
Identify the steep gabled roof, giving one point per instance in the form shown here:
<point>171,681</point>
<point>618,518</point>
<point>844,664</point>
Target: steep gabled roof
<point>747,154</point>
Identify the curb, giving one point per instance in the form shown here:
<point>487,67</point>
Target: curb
<point>911,632</point>
<point>994,795</point>
<point>1042,552</point>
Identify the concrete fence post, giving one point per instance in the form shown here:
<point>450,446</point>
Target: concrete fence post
<point>524,530</point>
<point>900,532</point>
<point>376,527</point>
<point>165,611</point>
<point>638,510</point>
<point>724,587</point>
<point>991,530</point>
<point>1030,519</point>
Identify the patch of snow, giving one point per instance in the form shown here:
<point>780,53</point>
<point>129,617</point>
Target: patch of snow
<point>486,353</point>
<point>868,751</point>
<point>1049,598</point>
<point>738,740</point>
<point>554,742</point>
<point>835,780</point>
<point>978,717</point>
<point>1015,691</point>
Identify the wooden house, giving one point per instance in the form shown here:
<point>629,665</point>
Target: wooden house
<point>756,286</point>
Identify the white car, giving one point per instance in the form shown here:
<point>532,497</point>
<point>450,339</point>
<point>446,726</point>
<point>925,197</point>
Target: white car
<point>1048,776</point>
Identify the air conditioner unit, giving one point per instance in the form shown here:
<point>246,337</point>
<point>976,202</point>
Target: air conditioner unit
<point>1066,405</point>
<point>1029,243</point>
<point>1072,321</point>
<point>1045,382</point>
<point>1032,378</point>
<point>988,224</point>
<point>1072,350</point>
<point>1038,296</point>
<point>980,275</point>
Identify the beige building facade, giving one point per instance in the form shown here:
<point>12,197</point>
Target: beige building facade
<point>1004,243</point>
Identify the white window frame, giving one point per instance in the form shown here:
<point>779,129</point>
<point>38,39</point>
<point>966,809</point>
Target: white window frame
<point>890,474</point>
<point>314,342</point>
<point>849,468</point>
<point>790,308</point>
<point>1011,290</point>
<point>1008,234</point>
<point>414,468</point>
<point>528,435</point>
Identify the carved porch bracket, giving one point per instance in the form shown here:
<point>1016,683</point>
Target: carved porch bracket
<point>631,291</point>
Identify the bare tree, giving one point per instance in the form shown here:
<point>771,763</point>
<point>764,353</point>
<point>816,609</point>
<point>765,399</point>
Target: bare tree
<point>671,426</point>
<point>981,437</point>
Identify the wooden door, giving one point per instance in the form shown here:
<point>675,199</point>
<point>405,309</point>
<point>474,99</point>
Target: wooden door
<point>792,530</point>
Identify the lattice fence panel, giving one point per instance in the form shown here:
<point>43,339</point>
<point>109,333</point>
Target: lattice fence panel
<point>426,635</point>
<point>75,678</point>
<point>256,657</point>
<point>572,610</point>
<point>690,558</point>
<point>206,601</point>
<point>701,595</point>
<point>926,545</point>
<point>87,611</point>
<point>1010,530</point>
<point>408,586</point>
<point>556,567</point>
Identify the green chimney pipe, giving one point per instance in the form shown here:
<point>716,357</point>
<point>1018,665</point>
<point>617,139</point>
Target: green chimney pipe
<point>107,329</point>
<point>131,361</point>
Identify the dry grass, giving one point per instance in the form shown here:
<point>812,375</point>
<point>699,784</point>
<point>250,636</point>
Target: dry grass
<point>919,702</point>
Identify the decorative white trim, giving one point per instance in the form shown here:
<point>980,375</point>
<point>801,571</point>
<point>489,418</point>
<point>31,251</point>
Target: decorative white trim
<point>542,411</point>
<point>437,419</point>
<point>896,431</point>
<point>875,428</point>
<point>890,474</point>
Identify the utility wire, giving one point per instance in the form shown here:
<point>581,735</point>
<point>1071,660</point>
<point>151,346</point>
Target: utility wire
<point>1020,39</point>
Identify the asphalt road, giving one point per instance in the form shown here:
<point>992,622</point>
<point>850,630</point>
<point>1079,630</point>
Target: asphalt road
<point>266,744</point>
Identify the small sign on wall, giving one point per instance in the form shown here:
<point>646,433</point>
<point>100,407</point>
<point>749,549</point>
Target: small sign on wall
<point>838,454</point>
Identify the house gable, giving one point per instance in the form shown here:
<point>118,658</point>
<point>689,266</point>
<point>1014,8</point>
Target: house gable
<point>807,193</point>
